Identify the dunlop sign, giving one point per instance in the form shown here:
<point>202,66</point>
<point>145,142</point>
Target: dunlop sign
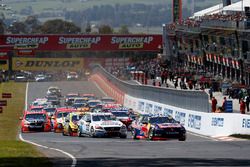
<point>47,64</point>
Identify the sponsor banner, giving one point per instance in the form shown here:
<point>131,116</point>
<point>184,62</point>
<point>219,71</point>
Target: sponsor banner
<point>194,121</point>
<point>84,42</point>
<point>157,109</point>
<point>47,64</point>
<point>6,95</point>
<point>246,123</point>
<point>149,108</point>
<point>26,53</point>
<point>167,112</point>
<point>180,116</point>
<point>218,122</point>
<point>141,106</point>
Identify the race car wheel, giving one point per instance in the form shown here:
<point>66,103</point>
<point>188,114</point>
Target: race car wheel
<point>134,134</point>
<point>151,134</point>
<point>70,131</point>
<point>63,133</point>
<point>92,132</point>
<point>183,138</point>
<point>123,136</point>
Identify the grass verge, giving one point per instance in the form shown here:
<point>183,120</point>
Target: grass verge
<point>13,152</point>
<point>241,136</point>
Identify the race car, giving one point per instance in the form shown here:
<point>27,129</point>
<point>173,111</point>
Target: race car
<point>39,102</point>
<point>54,91</point>
<point>122,115</point>
<point>59,118</point>
<point>35,122</point>
<point>70,125</point>
<point>40,78</point>
<point>89,96</point>
<point>69,98</point>
<point>101,125</point>
<point>50,110</point>
<point>108,100</point>
<point>158,128</point>
<point>93,103</point>
<point>53,99</point>
<point>35,108</point>
<point>72,76</point>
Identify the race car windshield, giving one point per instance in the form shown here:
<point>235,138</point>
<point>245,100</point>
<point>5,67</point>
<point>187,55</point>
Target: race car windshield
<point>35,116</point>
<point>93,103</point>
<point>80,101</point>
<point>62,114</point>
<point>70,96</point>
<point>102,118</point>
<point>50,110</point>
<point>160,120</point>
<point>120,114</point>
<point>52,98</point>
<point>76,118</point>
<point>36,109</point>
<point>78,105</point>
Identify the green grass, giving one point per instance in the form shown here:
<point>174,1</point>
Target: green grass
<point>241,136</point>
<point>12,151</point>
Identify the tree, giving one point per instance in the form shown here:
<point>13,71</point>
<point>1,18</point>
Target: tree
<point>18,28</point>
<point>33,24</point>
<point>88,28</point>
<point>59,26</point>
<point>105,29</point>
<point>123,30</point>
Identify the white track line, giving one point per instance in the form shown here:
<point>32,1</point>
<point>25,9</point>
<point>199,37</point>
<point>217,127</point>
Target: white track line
<point>74,160</point>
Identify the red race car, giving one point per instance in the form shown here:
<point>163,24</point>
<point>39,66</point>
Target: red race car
<point>35,122</point>
<point>59,118</point>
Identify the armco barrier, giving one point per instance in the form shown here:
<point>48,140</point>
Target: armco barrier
<point>208,124</point>
<point>191,100</point>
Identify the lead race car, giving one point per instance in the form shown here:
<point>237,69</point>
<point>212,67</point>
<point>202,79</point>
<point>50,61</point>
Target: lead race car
<point>158,128</point>
<point>101,125</point>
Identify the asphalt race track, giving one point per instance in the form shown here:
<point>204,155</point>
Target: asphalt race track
<point>107,152</point>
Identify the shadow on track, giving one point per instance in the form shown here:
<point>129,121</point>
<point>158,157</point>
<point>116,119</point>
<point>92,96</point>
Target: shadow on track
<point>110,162</point>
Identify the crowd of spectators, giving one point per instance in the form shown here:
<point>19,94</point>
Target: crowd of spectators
<point>195,22</point>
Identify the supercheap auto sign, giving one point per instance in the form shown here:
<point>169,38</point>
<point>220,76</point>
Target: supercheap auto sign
<point>83,42</point>
<point>47,64</point>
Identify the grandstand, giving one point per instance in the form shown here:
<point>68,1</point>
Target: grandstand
<point>214,40</point>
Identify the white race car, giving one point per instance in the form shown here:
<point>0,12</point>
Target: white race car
<point>101,125</point>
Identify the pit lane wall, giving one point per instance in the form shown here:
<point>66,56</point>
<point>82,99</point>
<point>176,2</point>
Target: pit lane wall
<point>208,124</point>
<point>108,87</point>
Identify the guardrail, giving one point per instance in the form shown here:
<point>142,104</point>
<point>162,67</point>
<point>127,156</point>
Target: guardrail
<point>190,100</point>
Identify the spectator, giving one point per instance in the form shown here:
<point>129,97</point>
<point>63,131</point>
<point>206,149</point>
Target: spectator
<point>242,106</point>
<point>247,100</point>
<point>214,104</point>
<point>211,93</point>
<point>224,104</point>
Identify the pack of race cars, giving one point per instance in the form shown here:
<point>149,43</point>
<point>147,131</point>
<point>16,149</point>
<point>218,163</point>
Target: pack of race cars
<point>80,115</point>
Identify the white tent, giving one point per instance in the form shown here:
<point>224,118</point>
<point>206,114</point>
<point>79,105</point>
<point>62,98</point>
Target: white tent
<point>238,6</point>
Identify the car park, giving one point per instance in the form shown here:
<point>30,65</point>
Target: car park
<point>101,125</point>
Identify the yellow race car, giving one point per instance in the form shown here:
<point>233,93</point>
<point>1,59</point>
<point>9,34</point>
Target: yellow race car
<point>71,123</point>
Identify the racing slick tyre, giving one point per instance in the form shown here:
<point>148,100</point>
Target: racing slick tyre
<point>79,134</point>
<point>183,138</point>
<point>63,133</point>
<point>70,131</point>
<point>151,134</point>
<point>92,132</point>
<point>123,136</point>
<point>134,134</point>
